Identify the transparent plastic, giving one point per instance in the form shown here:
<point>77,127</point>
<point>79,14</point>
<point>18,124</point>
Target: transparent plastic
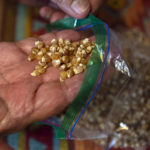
<point>105,59</point>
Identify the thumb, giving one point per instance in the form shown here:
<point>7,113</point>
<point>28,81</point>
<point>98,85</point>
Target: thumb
<point>75,8</point>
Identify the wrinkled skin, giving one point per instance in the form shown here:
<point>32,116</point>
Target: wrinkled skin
<point>25,99</point>
<point>53,10</point>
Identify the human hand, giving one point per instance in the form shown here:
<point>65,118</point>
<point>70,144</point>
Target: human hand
<point>57,9</point>
<point>25,99</point>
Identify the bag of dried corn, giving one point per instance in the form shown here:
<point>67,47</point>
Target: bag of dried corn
<point>99,47</point>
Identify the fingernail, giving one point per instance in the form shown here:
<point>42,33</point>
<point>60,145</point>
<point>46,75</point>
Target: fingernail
<point>80,6</point>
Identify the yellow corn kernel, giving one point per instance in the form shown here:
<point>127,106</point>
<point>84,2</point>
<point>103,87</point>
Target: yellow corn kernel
<point>39,44</point>
<point>31,57</point>
<point>63,67</point>
<point>63,76</point>
<point>40,53</point>
<point>70,73</point>
<point>37,67</point>
<point>83,66</point>
<point>49,54</point>
<point>34,50</point>
<point>45,67</point>
<point>89,49</point>
<point>44,50</point>
<point>62,51</point>
<point>84,61</point>
<point>78,59</point>
<point>53,48</point>
<point>69,65</point>
<point>82,46</point>
<point>46,59</point>
<point>66,47</point>
<point>71,49</point>
<point>85,41</point>
<point>67,42</point>
<point>53,41</point>
<point>83,53</point>
<point>65,59</point>
<point>41,70</point>
<point>55,56</point>
<point>75,44</point>
<point>56,62</point>
<point>42,63</point>
<point>35,73</point>
<point>60,41</point>
<point>79,53</point>
<point>78,69</point>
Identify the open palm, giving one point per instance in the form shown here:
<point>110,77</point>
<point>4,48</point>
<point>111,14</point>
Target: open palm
<point>25,99</point>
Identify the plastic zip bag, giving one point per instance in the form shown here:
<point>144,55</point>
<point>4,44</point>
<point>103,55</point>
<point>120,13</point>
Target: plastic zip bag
<point>119,114</point>
<point>105,55</point>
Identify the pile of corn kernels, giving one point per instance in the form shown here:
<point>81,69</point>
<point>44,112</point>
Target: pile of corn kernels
<point>70,57</point>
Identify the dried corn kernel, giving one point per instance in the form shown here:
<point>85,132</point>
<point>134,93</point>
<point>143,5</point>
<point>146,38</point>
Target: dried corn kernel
<point>45,67</point>
<point>78,59</point>
<point>35,73</point>
<point>53,41</point>
<point>75,44</point>
<point>69,65</point>
<point>31,57</point>
<point>85,41</point>
<point>82,46</point>
<point>79,53</point>
<point>71,57</point>
<point>60,41</point>
<point>56,62</point>
<point>53,48</point>
<point>71,49</point>
<point>84,61</point>
<point>82,65</point>
<point>63,67</point>
<point>40,53</point>
<point>49,54</point>
<point>55,56</point>
<point>66,47</point>
<point>83,53</point>
<point>38,67</point>
<point>39,44</point>
<point>78,69</point>
<point>34,50</point>
<point>70,73</point>
<point>62,51</point>
<point>45,58</point>
<point>89,49</point>
<point>63,76</point>
<point>41,70</point>
<point>44,50</point>
<point>65,59</point>
<point>42,63</point>
<point>74,60</point>
<point>67,42</point>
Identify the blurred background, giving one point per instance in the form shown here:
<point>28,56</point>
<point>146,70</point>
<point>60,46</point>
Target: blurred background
<point>18,21</point>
